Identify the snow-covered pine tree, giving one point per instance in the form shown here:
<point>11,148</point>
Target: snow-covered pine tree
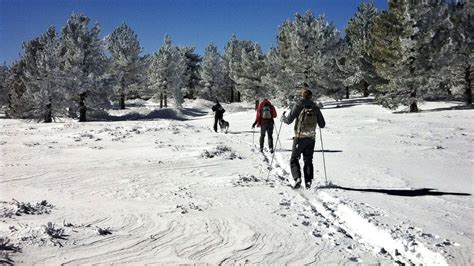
<point>167,72</point>
<point>127,67</point>
<point>277,78</point>
<point>305,46</point>
<point>359,64</point>
<point>85,64</point>
<point>191,76</point>
<point>334,87</point>
<point>43,78</point>
<point>3,88</point>
<point>458,60</point>
<point>177,81</point>
<point>230,51</point>
<point>232,60</point>
<point>405,41</point>
<point>248,73</point>
<point>15,85</point>
<point>212,75</point>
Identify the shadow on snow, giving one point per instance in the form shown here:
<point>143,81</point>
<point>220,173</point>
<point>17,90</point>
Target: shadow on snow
<point>455,107</point>
<point>348,103</point>
<point>165,113</point>
<point>400,192</point>
<point>242,132</point>
<point>328,151</point>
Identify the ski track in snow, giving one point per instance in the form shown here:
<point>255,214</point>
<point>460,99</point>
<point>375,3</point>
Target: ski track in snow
<point>171,207</point>
<point>349,222</point>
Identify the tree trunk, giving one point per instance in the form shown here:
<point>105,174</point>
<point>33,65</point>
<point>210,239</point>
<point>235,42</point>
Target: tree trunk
<point>365,88</point>
<point>161,100</point>
<point>468,91</point>
<point>232,94</point>
<point>238,96</point>
<point>347,92</point>
<point>48,115</point>
<point>413,105</point>
<point>122,101</point>
<point>166,100</point>
<point>82,108</point>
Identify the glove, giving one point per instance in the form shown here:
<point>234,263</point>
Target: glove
<point>283,117</point>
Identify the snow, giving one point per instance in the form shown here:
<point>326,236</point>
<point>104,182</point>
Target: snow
<point>170,190</point>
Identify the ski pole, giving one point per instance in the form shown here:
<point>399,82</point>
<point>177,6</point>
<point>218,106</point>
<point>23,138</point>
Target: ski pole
<point>324,161</point>
<point>278,141</point>
<point>273,156</point>
<point>253,136</point>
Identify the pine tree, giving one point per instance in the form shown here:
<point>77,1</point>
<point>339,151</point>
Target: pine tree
<point>84,62</point>
<point>127,67</point>
<point>43,78</point>
<point>212,75</point>
<point>458,60</point>
<point>191,75</point>
<point>334,87</point>
<point>232,60</point>
<point>15,85</point>
<point>247,73</point>
<point>359,63</point>
<point>306,46</point>
<point>406,39</point>
<point>167,72</point>
<point>3,88</point>
<point>276,78</point>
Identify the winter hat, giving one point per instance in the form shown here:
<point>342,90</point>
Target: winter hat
<point>306,93</point>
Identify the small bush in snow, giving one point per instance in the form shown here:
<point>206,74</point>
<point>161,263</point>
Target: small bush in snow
<point>245,180</point>
<point>18,208</point>
<point>5,245</point>
<point>221,150</point>
<point>28,208</point>
<point>7,212</point>
<point>54,232</point>
<point>103,231</point>
<point>68,224</point>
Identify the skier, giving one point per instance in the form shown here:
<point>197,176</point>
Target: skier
<point>307,115</point>
<point>219,114</point>
<point>265,114</point>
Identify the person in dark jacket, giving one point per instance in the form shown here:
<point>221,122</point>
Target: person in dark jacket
<point>218,114</point>
<point>265,114</point>
<point>303,142</point>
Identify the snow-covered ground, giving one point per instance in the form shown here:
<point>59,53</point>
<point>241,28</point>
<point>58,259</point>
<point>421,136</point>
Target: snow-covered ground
<point>161,186</point>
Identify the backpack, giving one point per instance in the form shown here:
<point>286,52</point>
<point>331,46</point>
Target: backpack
<point>307,121</point>
<point>267,112</point>
<point>220,109</point>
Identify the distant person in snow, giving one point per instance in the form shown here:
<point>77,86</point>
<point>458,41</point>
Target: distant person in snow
<point>218,114</point>
<point>307,115</point>
<point>265,114</point>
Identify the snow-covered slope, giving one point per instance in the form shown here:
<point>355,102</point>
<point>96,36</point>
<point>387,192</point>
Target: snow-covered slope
<point>170,190</point>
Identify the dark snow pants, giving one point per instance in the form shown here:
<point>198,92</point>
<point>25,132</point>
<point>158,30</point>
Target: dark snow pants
<point>268,129</point>
<point>217,117</point>
<point>303,146</point>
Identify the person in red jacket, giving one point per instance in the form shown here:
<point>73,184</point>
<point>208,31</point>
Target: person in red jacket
<point>265,114</point>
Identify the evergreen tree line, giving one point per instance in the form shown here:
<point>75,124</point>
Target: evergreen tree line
<point>415,50</point>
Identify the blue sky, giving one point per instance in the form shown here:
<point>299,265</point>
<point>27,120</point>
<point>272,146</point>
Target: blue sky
<point>188,22</point>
